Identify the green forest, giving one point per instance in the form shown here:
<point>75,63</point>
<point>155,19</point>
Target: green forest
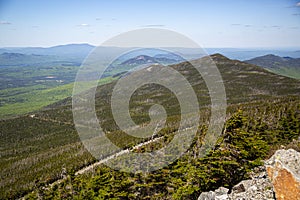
<point>41,151</point>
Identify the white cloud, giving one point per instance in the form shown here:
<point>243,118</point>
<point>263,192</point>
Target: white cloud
<point>154,25</point>
<point>298,4</point>
<point>5,22</point>
<point>84,25</point>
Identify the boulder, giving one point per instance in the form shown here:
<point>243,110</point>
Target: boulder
<point>284,171</point>
<point>278,179</point>
<point>219,194</point>
<point>258,187</point>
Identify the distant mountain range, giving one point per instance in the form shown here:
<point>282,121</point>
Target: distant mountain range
<point>285,63</point>
<point>68,51</point>
<point>72,54</point>
<point>247,54</point>
<point>23,60</point>
<point>286,66</point>
<point>78,52</point>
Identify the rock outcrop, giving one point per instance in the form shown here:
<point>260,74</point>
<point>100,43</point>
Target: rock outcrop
<point>219,194</point>
<point>284,170</point>
<point>259,187</point>
<point>278,179</point>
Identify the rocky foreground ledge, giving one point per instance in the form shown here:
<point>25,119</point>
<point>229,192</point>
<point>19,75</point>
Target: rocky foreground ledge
<point>278,179</point>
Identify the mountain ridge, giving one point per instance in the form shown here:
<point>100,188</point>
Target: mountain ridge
<point>254,82</point>
<point>286,66</point>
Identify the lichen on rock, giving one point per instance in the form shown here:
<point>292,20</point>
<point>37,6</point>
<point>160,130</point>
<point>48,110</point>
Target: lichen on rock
<point>284,171</point>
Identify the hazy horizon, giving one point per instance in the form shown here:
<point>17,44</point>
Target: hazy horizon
<point>296,48</point>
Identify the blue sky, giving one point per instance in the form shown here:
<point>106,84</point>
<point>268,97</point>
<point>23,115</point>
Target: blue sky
<point>211,23</point>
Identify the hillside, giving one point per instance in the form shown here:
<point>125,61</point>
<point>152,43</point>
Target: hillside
<point>262,115</point>
<point>285,66</point>
<point>243,82</point>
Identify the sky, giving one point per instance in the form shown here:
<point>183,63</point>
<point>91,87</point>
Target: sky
<point>210,23</point>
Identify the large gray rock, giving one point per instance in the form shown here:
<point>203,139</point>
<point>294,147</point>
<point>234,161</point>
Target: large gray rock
<point>219,194</point>
<point>284,171</point>
<point>258,187</point>
<point>278,179</point>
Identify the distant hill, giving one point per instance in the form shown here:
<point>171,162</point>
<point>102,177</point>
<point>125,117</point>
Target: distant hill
<point>60,49</point>
<point>19,59</point>
<point>70,54</point>
<point>247,54</point>
<point>286,66</point>
<point>169,56</point>
<point>139,60</point>
<point>159,58</point>
<point>69,51</point>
